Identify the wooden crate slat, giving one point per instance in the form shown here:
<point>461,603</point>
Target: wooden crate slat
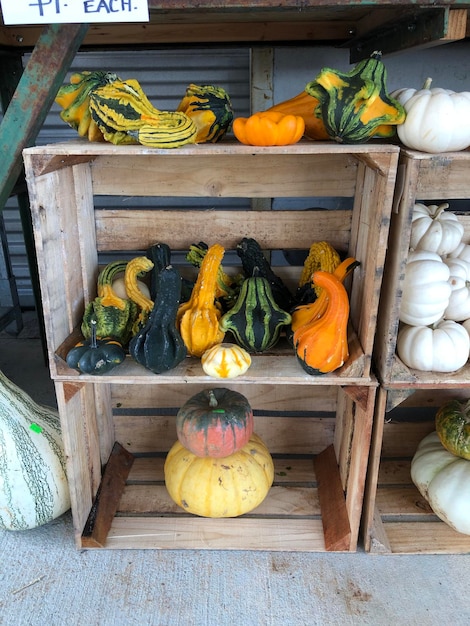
<point>425,538</point>
<point>138,229</point>
<point>264,397</point>
<point>291,470</point>
<point>293,435</point>
<point>281,501</point>
<point>216,534</point>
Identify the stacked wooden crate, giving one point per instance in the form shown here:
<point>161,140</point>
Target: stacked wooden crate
<point>397,518</point>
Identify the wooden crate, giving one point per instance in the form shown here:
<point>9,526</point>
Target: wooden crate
<point>70,234</point>
<point>429,179</point>
<point>397,519</point>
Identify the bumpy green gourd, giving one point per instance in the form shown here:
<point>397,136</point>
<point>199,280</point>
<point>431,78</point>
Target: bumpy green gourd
<point>255,320</point>
<point>355,105</point>
<point>114,316</point>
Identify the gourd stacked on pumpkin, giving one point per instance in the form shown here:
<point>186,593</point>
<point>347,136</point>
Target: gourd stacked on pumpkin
<point>218,467</point>
<point>440,468</point>
<point>435,307</point>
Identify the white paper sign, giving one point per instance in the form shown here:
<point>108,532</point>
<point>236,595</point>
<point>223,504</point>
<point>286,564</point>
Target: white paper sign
<point>73,11</point>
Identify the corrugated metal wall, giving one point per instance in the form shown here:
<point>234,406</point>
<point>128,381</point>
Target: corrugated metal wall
<point>164,76</point>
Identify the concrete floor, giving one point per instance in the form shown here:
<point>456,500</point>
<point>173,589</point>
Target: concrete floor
<point>45,581</point>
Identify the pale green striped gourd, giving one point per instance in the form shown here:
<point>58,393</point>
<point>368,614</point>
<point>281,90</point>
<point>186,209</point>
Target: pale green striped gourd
<point>33,483</point>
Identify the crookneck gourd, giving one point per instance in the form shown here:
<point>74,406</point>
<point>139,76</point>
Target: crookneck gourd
<point>209,107</point>
<point>74,99</point>
<point>125,115</point>
<point>215,422</point>
<point>321,256</point>
<point>255,320</point>
<point>321,345</point>
<point>114,316</point>
<point>158,345</point>
<point>304,313</point>
<point>198,319</point>
<point>355,105</point>
<point>227,288</point>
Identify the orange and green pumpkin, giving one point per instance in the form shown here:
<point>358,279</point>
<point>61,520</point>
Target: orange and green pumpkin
<point>215,423</point>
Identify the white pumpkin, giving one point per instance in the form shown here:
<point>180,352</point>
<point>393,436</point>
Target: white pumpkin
<point>33,482</point>
<point>437,120</point>
<point>426,289</point>
<point>462,251</point>
<point>443,347</point>
<point>443,479</point>
<point>435,229</point>
<point>458,308</point>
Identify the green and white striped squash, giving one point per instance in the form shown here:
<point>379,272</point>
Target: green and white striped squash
<point>33,483</point>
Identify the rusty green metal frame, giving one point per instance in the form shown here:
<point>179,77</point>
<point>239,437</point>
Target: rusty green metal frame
<point>33,97</point>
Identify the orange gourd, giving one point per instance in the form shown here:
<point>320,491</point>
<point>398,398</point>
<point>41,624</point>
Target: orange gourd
<point>269,129</point>
<point>321,345</point>
<point>304,105</point>
<point>305,313</point>
<point>198,319</point>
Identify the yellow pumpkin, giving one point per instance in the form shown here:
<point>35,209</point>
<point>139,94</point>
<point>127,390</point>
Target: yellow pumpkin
<point>219,487</point>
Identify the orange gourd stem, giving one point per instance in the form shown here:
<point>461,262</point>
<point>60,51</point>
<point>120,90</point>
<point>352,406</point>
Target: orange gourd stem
<point>321,346</point>
<point>305,313</point>
<point>198,319</point>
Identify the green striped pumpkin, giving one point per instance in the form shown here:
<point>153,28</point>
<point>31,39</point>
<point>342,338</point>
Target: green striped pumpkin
<point>255,320</point>
<point>33,482</point>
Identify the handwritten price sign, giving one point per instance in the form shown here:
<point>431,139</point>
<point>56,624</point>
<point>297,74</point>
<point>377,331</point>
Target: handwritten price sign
<point>73,11</point>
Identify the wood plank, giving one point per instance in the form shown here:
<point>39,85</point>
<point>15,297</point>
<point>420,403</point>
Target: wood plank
<point>281,502</point>
<point>137,229</point>
<point>282,435</point>
<point>403,501</point>
<point>290,470</point>
<point>335,519</point>
<point>394,472</point>
<point>107,498</point>
<point>426,538</point>
<point>284,400</point>
<point>195,533</point>
<point>231,175</point>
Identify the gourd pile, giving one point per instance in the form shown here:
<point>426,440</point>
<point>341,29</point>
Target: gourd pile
<point>440,468</point>
<point>163,320</point>
<point>346,107</point>
<point>435,307</point>
<point>102,107</point>
<point>218,467</point>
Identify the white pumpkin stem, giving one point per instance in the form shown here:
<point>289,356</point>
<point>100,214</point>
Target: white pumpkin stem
<point>438,209</point>
<point>427,83</point>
